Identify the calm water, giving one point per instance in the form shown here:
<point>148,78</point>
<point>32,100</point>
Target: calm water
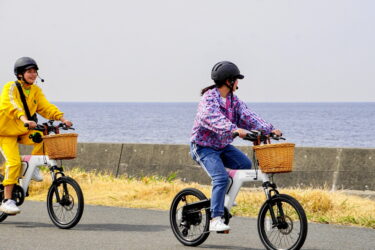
<point>306,124</point>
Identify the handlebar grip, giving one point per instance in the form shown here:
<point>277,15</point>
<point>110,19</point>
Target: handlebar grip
<point>235,134</point>
<point>65,127</point>
<point>38,127</point>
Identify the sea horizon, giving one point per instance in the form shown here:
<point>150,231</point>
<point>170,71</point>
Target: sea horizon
<point>318,124</point>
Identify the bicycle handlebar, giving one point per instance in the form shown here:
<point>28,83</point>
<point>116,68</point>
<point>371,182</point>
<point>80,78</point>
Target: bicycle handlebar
<point>255,136</point>
<point>48,127</point>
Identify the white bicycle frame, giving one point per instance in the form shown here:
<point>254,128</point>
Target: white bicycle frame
<point>29,163</point>
<point>239,177</point>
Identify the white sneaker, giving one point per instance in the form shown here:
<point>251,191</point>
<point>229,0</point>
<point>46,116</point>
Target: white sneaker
<point>9,207</point>
<point>37,175</point>
<point>217,224</point>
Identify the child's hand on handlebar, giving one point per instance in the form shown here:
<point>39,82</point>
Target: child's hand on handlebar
<point>66,122</point>
<point>277,132</point>
<point>28,123</point>
<point>241,132</point>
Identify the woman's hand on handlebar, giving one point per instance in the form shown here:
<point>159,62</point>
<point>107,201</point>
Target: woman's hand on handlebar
<point>66,122</point>
<point>277,132</point>
<point>29,124</point>
<point>241,132</point>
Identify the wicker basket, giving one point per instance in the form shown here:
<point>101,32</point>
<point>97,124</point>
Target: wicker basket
<point>61,146</point>
<point>275,158</point>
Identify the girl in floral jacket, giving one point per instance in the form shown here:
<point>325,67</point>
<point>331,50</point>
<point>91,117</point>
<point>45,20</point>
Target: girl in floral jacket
<point>220,114</point>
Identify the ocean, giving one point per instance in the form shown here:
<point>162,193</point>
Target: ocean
<point>305,124</point>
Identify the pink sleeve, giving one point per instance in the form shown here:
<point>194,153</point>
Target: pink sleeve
<point>211,118</point>
<point>250,120</point>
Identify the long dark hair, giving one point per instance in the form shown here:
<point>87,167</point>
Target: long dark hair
<point>217,84</point>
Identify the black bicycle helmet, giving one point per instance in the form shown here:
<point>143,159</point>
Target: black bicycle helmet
<point>225,70</point>
<point>24,63</point>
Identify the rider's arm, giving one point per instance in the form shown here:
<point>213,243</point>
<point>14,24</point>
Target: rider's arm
<point>212,119</point>
<point>11,103</point>
<point>46,109</point>
<point>250,120</point>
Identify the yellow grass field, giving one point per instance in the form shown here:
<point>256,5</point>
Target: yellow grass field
<point>155,192</point>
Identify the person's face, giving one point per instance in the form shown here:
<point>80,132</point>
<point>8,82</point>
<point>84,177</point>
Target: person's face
<point>30,75</point>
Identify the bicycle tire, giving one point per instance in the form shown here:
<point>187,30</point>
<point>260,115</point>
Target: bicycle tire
<point>290,218</point>
<point>181,227</point>
<point>3,216</point>
<point>63,195</point>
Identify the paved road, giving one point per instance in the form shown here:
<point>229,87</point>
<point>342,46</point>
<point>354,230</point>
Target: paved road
<point>124,228</point>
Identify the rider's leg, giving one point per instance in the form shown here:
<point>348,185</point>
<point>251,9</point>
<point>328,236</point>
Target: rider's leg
<point>211,162</point>
<point>233,158</point>
<point>9,149</point>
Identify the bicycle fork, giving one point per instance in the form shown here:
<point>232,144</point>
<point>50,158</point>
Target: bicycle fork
<point>56,172</point>
<point>270,188</point>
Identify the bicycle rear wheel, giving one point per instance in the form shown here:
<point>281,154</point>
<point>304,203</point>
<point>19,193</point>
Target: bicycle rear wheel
<point>290,229</point>
<point>65,202</point>
<point>189,227</point>
<point>3,216</point>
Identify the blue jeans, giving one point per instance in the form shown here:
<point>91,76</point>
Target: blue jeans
<point>214,163</point>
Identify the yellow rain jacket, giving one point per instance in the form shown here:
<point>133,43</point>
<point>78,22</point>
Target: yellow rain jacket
<point>11,108</point>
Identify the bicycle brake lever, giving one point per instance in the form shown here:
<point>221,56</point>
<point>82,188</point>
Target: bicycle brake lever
<point>276,137</point>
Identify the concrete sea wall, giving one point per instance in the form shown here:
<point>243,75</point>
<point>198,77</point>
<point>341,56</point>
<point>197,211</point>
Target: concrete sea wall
<point>334,168</point>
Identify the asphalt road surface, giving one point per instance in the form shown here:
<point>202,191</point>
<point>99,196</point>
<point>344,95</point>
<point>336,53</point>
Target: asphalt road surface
<point>124,228</point>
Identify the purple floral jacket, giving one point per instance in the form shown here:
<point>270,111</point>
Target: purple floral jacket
<point>215,120</point>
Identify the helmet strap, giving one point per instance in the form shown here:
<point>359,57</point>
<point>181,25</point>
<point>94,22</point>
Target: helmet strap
<point>230,91</point>
<point>24,80</point>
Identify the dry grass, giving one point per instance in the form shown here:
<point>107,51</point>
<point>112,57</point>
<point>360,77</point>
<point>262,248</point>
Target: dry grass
<point>157,193</point>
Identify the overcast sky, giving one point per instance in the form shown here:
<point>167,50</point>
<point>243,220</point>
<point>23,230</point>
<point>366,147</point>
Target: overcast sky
<point>163,50</point>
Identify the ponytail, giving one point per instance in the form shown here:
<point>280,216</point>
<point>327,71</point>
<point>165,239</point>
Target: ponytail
<point>217,84</point>
<point>208,88</point>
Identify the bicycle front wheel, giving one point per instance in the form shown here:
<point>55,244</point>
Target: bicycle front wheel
<point>289,229</point>
<point>65,202</point>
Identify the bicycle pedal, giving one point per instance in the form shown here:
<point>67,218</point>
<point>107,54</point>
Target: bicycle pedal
<point>223,232</point>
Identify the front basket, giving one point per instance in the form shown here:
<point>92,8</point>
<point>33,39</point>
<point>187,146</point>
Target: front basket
<point>275,158</point>
<point>61,146</point>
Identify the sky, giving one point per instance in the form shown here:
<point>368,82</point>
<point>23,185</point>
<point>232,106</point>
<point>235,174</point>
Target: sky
<point>163,51</point>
